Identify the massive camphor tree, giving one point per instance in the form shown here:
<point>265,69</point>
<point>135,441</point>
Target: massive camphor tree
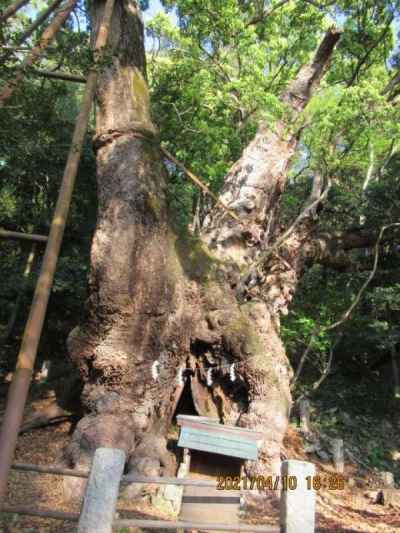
<point>167,305</point>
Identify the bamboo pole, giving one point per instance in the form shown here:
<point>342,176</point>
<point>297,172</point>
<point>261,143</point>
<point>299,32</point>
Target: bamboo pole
<point>18,391</point>
<point>189,525</point>
<point>140,523</point>
<point>64,76</point>
<point>130,478</point>
<point>13,8</point>
<point>41,513</point>
<point>200,184</point>
<point>37,22</point>
<point>47,36</point>
<point>17,305</point>
<point>17,236</point>
<point>46,469</point>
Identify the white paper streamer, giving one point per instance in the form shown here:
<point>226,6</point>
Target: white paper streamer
<point>155,370</point>
<point>180,377</point>
<point>209,377</point>
<point>232,373</point>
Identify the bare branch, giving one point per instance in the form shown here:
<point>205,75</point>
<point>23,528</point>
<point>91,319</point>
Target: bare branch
<point>374,45</point>
<point>356,300</point>
<point>306,211</point>
<point>346,315</point>
<point>266,13</point>
<point>316,191</point>
<point>199,183</point>
<point>391,85</point>
<point>324,373</point>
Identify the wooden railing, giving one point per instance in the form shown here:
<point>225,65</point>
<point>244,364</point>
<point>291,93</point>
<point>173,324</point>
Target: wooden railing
<point>297,503</point>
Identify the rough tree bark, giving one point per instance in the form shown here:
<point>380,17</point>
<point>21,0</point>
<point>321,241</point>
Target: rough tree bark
<point>156,296</point>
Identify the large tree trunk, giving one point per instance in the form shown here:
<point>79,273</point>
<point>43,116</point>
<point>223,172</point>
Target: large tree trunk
<point>158,300</point>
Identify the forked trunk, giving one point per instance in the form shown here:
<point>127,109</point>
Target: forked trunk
<point>164,308</point>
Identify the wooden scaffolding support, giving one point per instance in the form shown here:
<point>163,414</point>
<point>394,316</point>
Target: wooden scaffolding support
<point>18,391</point>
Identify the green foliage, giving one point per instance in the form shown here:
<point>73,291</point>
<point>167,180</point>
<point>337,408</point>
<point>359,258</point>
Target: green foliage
<point>217,74</point>
<point>213,77</point>
<point>37,126</point>
<point>361,413</point>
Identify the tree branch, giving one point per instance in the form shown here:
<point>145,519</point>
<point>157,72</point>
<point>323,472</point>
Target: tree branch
<point>346,315</point>
<point>197,181</point>
<point>256,181</point>
<point>46,38</point>
<point>369,51</point>
<point>38,22</point>
<point>9,12</point>
<point>300,90</point>
<point>324,246</point>
<point>266,13</point>
<point>306,211</point>
<point>64,76</point>
<point>391,85</point>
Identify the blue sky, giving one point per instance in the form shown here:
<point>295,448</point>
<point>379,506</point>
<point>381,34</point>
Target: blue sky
<point>154,9</point>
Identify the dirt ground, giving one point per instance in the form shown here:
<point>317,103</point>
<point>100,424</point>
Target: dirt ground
<point>349,510</point>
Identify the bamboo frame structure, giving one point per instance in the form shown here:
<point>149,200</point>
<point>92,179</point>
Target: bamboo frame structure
<point>47,37</point>
<point>63,76</point>
<point>290,518</point>
<point>200,526</point>
<point>140,523</point>
<point>11,10</point>
<point>17,236</point>
<point>129,478</point>
<point>35,24</point>
<point>18,391</point>
<point>41,513</point>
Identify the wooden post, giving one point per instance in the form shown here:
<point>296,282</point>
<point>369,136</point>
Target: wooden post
<point>338,455</point>
<point>297,504</point>
<point>102,489</point>
<point>13,318</point>
<point>386,495</point>
<point>305,416</point>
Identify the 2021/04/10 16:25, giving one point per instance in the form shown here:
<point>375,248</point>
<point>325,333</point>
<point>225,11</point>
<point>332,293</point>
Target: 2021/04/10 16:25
<point>332,482</point>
